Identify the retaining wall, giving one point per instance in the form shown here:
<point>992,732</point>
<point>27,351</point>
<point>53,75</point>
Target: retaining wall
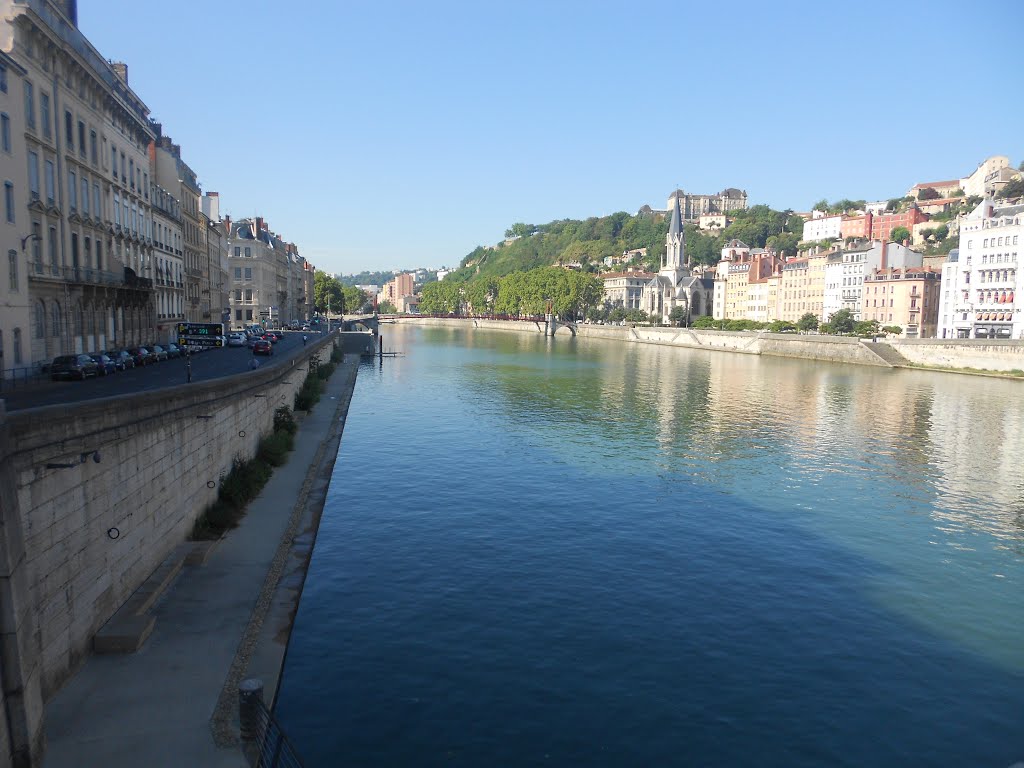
<point>95,496</point>
<point>979,354</point>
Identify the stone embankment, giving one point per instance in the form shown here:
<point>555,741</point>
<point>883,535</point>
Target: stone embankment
<point>967,355</point>
<point>95,497</point>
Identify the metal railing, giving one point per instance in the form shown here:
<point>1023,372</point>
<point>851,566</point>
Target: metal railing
<point>264,741</point>
<point>21,377</point>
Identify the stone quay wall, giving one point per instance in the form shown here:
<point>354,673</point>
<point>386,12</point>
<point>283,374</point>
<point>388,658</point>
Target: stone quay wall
<point>95,495</point>
<point>952,354</point>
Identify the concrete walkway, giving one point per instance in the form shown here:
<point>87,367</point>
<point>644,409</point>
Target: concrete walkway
<point>164,704</point>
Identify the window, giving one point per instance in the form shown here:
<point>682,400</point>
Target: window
<point>131,173</point>
<point>248,273</point>
<point>238,294</point>
<point>238,251</point>
<point>37,246</point>
<point>238,314</point>
<point>50,183</point>
<point>124,169</point>
<point>99,254</point>
<point>17,346</point>
<point>248,314</point>
<point>72,191</point>
<point>12,265</point>
<point>145,185</point>
<point>87,247</point>
<point>44,111</point>
<point>30,105</point>
<point>39,326</point>
<point>238,273</point>
<point>3,79</point>
<point>69,129</point>
<point>51,248</point>
<point>5,132</point>
<point>94,153</point>
<point>9,201</point>
<point>113,160</point>
<point>55,319</point>
<point>248,252</point>
<point>248,296</point>
<point>81,138</point>
<point>33,175</point>
<point>97,201</point>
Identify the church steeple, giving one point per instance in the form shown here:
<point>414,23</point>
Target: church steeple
<point>675,245</point>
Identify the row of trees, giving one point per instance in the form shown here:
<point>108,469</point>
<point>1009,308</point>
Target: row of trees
<point>570,293</point>
<point>330,293</point>
<point>841,323</point>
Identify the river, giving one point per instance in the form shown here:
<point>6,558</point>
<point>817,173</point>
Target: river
<point>585,552</point>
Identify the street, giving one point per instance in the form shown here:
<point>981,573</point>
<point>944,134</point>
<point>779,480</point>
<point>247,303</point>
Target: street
<point>211,364</point>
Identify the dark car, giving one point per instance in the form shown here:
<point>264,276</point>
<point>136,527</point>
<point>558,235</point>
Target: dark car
<point>158,352</point>
<point>262,347</point>
<point>106,364</point>
<point>122,359</point>
<point>141,356</point>
<point>173,350</point>
<point>73,367</point>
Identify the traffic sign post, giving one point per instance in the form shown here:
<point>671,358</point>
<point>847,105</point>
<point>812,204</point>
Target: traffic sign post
<point>201,334</point>
<point>200,341</point>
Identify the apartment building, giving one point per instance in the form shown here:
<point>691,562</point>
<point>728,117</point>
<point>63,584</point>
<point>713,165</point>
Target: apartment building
<point>982,283</point>
<point>626,289</point>
<point>79,213</point>
<point>908,298</point>
<point>169,264</point>
<point>802,289</point>
<point>845,271</point>
<point>822,227</point>
<point>267,276</point>
<point>17,234</point>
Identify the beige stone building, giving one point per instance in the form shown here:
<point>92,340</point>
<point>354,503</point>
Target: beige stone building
<point>802,289</point>
<point>908,298</point>
<point>174,174</point>
<point>694,206</point>
<point>81,206</point>
<point>268,283</point>
<point>625,289</point>
<point>169,265</point>
<point>747,282</point>
<point>19,253</point>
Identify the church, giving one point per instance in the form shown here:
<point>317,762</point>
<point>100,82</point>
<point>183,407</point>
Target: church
<point>675,285</point>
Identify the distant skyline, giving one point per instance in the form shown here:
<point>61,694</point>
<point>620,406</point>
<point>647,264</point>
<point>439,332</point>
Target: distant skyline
<point>403,135</point>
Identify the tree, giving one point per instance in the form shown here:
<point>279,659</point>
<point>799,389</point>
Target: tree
<point>899,234</point>
<point>928,193</point>
<point>520,230</point>
<point>866,328</point>
<point>387,308</point>
<point>809,322</point>
<point>1015,188</point>
<point>893,205</point>
<point>679,315</point>
<point>841,321</point>
<point>892,330</point>
<point>326,291</point>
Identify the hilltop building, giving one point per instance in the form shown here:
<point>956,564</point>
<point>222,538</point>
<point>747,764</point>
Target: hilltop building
<point>692,206</point>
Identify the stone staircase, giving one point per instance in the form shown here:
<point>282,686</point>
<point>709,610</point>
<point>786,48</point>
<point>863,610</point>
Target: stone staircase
<point>887,353</point>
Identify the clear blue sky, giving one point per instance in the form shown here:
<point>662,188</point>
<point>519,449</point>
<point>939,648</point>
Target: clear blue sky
<point>386,135</point>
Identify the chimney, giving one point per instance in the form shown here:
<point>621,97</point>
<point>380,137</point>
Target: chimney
<point>121,70</point>
<point>885,253</point>
<point>227,225</point>
<point>259,225</point>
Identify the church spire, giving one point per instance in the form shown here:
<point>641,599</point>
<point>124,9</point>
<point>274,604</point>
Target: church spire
<point>675,245</point>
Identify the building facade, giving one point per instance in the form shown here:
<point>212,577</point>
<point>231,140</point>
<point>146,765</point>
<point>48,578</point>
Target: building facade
<point>625,289</point>
<point>169,265</point>
<point>908,298</point>
<point>85,200</point>
<point>692,206</point>
<point>822,227</point>
<point>981,282</point>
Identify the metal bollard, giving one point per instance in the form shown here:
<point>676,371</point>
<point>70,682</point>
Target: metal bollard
<point>250,696</point>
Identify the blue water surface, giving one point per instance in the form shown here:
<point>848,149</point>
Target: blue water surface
<point>585,552</point>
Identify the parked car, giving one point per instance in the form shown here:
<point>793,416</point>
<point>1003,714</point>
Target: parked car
<point>236,339</point>
<point>106,364</point>
<point>141,356</point>
<point>173,350</point>
<point>262,347</point>
<point>158,352</point>
<point>73,367</point>
<point>122,359</point>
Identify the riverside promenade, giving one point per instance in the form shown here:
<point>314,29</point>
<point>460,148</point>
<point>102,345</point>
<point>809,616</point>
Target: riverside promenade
<point>174,701</point>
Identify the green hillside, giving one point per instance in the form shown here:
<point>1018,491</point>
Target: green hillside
<point>589,242</point>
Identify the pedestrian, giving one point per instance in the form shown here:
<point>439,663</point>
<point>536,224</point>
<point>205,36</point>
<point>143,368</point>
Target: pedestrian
<point>304,339</point>
<point>254,363</point>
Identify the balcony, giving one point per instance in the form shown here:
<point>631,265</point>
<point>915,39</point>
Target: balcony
<point>88,276</point>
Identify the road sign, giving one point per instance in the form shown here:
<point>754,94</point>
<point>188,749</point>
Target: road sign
<point>200,329</point>
<point>200,341</point>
